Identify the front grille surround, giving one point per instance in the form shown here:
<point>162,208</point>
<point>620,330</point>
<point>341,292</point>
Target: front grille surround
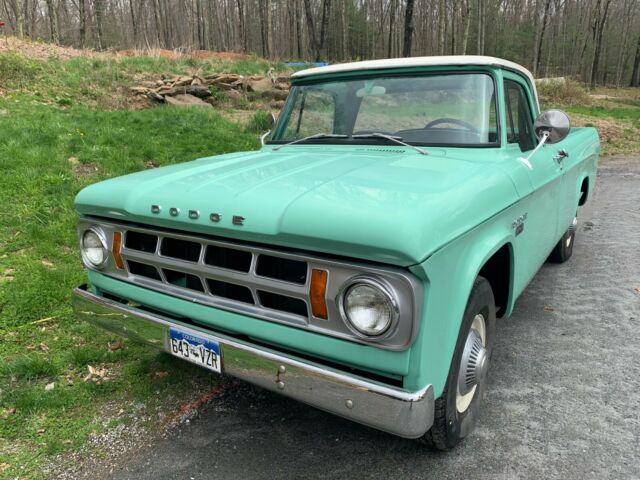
<point>282,298</point>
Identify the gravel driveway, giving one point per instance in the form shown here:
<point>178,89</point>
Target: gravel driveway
<point>563,400</point>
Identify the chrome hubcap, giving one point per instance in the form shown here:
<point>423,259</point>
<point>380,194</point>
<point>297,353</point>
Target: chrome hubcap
<point>474,363</point>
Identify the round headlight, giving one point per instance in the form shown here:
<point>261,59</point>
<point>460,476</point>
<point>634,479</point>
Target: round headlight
<point>368,308</point>
<point>94,249</point>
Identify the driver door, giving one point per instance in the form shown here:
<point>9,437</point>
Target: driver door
<point>545,175</point>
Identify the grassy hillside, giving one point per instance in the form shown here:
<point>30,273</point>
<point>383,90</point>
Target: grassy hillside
<point>65,124</point>
<point>615,112</point>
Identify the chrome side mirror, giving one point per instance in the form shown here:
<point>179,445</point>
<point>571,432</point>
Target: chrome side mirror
<point>553,122</point>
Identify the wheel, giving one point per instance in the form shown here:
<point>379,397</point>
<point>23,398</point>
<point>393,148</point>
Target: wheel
<point>457,410</point>
<point>564,248</point>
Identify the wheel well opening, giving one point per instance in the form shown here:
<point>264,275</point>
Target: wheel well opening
<point>497,271</point>
<point>584,192</point>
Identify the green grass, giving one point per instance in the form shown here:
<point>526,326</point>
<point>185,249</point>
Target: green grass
<point>614,112</point>
<point>47,154</point>
<point>260,122</point>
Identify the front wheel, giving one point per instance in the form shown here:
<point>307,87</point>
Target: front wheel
<point>564,248</point>
<point>457,410</point>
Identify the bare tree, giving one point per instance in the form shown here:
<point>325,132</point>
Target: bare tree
<point>635,73</point>
<point>593,39</point>
<point>598,31</point>
<point>408,29</point>
<point>538,45</point>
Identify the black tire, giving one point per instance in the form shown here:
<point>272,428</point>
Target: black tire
<point>564,248</point>
<point>450,427</point>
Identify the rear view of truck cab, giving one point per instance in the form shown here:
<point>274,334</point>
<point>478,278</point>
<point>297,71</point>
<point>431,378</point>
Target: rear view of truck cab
<point>359,260</point>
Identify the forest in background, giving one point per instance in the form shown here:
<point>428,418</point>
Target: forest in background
<point>595,41</point>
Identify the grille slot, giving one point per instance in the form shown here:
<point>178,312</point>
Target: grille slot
<point>231,291</point>
<point>283,303</point>
<point>285,269</point>
<point>180,249</point>
<point>184,280</point>
<point>143,270</point>
<point>143,242</point>
<point>229,258</point>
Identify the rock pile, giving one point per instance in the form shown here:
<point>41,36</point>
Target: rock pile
<point>205,91</point>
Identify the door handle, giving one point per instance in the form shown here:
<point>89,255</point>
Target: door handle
<point>560,156</point>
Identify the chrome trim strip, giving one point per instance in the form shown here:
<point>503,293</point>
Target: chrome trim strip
<point>405,287</point>
<point>396,411</point>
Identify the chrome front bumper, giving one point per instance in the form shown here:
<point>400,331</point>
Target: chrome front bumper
<point>407,414</point>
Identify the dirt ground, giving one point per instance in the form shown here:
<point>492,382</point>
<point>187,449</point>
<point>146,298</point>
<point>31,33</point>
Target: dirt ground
<point>563,398</point>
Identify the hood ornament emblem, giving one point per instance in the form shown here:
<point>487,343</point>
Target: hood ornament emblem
<point>215,217</point>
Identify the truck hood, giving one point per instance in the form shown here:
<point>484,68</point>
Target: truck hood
<point>383,204</point>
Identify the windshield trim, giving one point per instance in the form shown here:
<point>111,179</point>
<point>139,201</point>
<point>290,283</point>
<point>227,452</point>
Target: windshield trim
<point>304,81</point>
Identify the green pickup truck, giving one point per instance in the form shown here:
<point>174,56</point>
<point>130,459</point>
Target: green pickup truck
<point>358,261</point>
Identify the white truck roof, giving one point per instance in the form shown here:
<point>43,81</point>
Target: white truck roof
<point>420,62</point>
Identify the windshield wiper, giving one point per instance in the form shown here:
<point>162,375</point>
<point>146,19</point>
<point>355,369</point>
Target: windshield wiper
<point>312,137</point>
<point>392,138</point>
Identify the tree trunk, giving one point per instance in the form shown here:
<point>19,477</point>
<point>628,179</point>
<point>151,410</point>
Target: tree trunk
<point>200,25</point>
<point>241,26</point>
<point>635,77</point>
<point>596,53</point>
<point>268,29</point>
<point>298,29</point>
<point>345,30</point>
<point>134,26</point>
<point>408,29</point>
<point>454,13</point>
<point>99,13</point>
<point>324,24</point>
<point>21,10</point>
<point>313,42</point>
<point>392,20</point>
<point>156,18</point>
<point>52,13</point>
<point>538,48</point>
<point>481,22</point>
<point>442,18</point>
<point>82,12</point>
<point>466,6</point>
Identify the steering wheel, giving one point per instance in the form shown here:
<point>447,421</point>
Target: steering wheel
<point>454,121</point>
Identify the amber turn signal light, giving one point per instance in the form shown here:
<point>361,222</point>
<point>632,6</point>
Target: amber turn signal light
<point>115,249</point>
<point>317,293</point>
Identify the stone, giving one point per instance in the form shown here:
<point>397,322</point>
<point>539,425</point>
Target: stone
<point>186,100</point>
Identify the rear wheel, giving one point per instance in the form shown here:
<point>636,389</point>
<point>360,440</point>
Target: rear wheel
<point>457,410</point>
<point>564,248</point>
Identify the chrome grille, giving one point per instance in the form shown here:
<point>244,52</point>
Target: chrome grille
<point>219,271</point>
<point>257,281</point>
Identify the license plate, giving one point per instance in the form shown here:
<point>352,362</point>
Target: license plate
<point>195,349</point>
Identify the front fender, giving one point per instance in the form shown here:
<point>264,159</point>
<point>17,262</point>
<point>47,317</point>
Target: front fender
<point>449,275</point>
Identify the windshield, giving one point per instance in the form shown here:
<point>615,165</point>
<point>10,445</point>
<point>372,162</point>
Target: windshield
<point>442,109</point>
